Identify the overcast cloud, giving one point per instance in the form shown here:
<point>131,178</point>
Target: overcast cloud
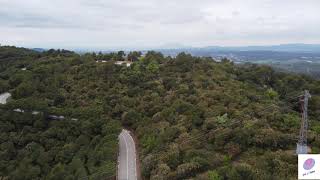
<point>113,24</point>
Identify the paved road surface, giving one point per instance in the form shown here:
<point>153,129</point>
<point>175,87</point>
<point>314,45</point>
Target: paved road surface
<point>127,169</point>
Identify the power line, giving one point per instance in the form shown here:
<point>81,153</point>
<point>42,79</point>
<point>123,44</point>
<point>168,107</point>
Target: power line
<point>293,95</point>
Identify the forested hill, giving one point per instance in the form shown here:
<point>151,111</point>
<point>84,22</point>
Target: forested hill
<point>194,118</point>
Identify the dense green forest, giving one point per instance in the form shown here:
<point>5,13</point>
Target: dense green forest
<point>194,118</point>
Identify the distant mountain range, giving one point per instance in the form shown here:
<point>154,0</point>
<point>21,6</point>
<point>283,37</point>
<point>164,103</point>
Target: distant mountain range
<point>39,49</point>
<point>298,58</point>
<point>311,48</point>
<point>215,50</point>
<point>282,48</point>
<point>285,52</point>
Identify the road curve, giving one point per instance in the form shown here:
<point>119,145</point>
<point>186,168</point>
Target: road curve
<point>127,169</point>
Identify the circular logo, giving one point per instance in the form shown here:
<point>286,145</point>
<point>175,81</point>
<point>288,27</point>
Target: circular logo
<point>308,164</point>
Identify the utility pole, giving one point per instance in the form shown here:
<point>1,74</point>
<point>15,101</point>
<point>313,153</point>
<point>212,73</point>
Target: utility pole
<point>302,147</point>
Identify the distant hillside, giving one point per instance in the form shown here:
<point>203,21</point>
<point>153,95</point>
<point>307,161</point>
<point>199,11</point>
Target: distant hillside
<point>299,58</point>
<point>306,48</point>
<point>39,49</point>
<point>281,48</point>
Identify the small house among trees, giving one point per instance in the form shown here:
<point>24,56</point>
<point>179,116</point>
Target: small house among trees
<point>127,63</point>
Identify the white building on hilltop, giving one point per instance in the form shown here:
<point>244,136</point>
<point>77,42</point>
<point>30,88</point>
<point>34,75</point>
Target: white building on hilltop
<point>127,63</point>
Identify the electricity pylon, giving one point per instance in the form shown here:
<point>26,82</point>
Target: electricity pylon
<point>302,147</point>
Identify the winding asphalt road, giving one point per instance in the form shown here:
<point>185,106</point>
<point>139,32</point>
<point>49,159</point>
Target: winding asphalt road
<point>127,166</point>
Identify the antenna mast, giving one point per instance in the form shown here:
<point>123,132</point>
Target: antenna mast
<point>302,147</point>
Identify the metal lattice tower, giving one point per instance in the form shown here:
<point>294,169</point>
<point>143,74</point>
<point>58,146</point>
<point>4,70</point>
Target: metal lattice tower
<point>302,147</point>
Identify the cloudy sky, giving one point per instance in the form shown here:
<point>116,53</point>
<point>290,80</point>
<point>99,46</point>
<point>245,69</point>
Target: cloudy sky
<point>113,24</point>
